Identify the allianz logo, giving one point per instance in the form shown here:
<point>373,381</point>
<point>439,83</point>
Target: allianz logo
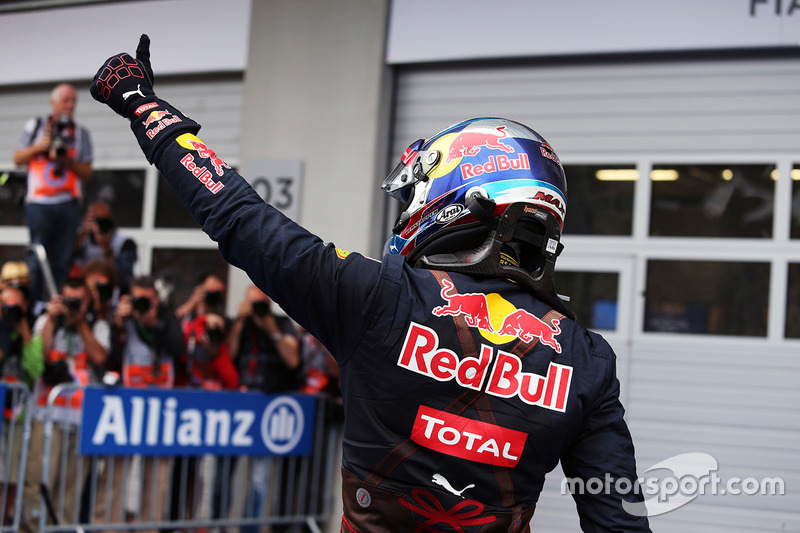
<point>149,421</point>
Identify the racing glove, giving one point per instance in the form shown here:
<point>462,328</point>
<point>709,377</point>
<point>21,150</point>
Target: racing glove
<point>125,84</point>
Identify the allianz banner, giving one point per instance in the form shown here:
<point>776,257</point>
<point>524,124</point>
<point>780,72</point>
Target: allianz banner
<point>120,421</point>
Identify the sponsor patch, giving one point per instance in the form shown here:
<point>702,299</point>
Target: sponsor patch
<point>468,439</point>
<point>500,371</point>
<point>145,107</point>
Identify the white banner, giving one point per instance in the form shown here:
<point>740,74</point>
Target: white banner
<point>441,30</point>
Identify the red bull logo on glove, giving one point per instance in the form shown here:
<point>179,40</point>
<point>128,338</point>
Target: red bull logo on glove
<point>159,118</point>
<point>501,372</point>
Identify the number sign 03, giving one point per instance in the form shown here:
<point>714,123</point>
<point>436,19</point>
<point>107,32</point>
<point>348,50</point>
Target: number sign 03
<point>278,182</point>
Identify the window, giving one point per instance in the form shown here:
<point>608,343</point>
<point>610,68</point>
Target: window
<point>600,199</point>
<point>712,200</point>
<point>795,231</point>
<point>793,302</point>
<point>122,189</point>
<point>12,198</point>
<point>593,297</point>
<point>13,253</point>
<point>183,268</point>
<point>708,297</point>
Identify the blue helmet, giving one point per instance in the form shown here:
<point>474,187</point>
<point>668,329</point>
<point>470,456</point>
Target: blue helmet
<point>486,190</point>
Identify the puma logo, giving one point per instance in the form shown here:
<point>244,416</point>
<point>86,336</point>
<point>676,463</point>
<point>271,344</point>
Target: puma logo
<point>440,480</point>
<point>138,91</point>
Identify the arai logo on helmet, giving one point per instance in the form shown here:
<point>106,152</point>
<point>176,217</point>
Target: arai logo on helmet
<point>449,213</point>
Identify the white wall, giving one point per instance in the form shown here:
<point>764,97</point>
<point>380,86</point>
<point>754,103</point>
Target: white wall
<point>421,30</point>
<point>71,43</point>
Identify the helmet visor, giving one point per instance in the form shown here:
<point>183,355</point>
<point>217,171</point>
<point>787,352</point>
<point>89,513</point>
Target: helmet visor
<point>399,183</point>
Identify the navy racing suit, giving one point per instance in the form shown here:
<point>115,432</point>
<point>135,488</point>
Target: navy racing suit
<point>460,394</point>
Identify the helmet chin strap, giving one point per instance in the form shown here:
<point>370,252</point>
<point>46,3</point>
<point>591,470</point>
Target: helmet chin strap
<point>485,260</point>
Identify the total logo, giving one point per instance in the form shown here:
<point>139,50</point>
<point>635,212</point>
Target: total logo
<point>468,439</point>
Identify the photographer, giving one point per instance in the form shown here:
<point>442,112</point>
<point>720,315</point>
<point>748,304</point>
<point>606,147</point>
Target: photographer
<point>267,354</point>
<point>206,365</point>
<point>20,361</point>
<point>58,154</point>
<point>99,238</point>
<point>74,351</point>
<point>102,282</point>
<point>147,342</point>
<point>20,352</point>
<point>264,346</point>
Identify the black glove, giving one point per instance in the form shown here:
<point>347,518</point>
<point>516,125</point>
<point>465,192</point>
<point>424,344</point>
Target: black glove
<point>125,84</point>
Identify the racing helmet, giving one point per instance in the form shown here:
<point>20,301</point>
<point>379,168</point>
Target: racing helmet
<point>486,196</point>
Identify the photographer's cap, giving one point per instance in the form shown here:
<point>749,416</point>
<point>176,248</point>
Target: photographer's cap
<point>14,270</point>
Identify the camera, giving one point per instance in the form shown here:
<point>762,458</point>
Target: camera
<point>73,305</point>
<point>140,304</point>
<point>215,335</point>
<point>104,290</point>
<point>260,309</point>
<point>61,135</point>
<point>213,298</point>
<point>104,224</point>
<point>12,313</point>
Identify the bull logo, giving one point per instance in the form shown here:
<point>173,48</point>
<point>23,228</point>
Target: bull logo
<point>469,143</point>
<point>472,305</point>
<point>526,327</point>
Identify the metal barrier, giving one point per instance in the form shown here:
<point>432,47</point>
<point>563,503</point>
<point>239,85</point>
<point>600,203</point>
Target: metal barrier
<point>142,492</point>
<point>16,431</point>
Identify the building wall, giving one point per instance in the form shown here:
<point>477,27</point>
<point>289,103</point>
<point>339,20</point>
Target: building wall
<point>316,91</point>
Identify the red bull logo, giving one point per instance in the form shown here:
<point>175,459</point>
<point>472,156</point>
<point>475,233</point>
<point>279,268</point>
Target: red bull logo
<point>159,118</point>
<point>472,305</point>
<point>470,143</point>
<point>500,371</point>
<point>207,153</point>
<point>495,164</point>
<point>154,117</point>
<point>202,174</point>
<point>527,327</point>
<point>498,320</point>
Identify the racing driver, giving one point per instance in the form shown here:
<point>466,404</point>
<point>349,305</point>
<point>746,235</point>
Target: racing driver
<point>464,375</point>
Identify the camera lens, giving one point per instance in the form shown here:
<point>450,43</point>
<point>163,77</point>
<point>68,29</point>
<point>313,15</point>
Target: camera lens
<point>215,335</point>
<point>104,224</point>
<point>73,305</point>
<point>213,298</point>
<point>141,304</point>
<point>12,313</point>
<point>104,290</point>
<point>260,309</point>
